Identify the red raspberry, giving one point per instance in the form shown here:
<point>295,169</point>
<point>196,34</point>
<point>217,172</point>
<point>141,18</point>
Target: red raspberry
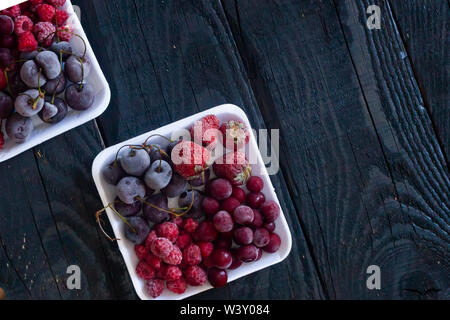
<point>24,6</point>
<point>183,240</point>
<point>167,230</point>
<point>44,32</point>
<point>161,272</point>
<point>46,12</point>
<point>65,33</point>
<point>190,225</point>
<point>161,247</point>
<point>205,131</point>
<point>12,12</point>
<point>195,276</point>
<point>178,286</point>
<point>60,17</point>
<point>208,262</point>
<point>150,238</point>
<point>175,257</point>
<point>192,255</point>
<point>141,251</point>
<point>206,248</point>
<point>154,288</point>
<point>173,273</point>
<point>144,271</point>
<point>2,141</point>
<point>27,42</point>
<point>153,261</point>
<point>23,24</point>
<point>56,3</point>
<point>36,2</point>
<point>32,16</point>
<point>178,221</point>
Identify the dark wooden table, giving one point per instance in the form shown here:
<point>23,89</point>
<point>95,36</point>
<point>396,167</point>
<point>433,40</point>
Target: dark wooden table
<point>365,139</point>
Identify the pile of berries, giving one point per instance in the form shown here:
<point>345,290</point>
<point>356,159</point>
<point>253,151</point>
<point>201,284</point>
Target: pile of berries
<point>39,72</point>
<point>217,226</point>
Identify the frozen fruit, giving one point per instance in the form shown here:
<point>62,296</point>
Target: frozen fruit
<point>27,42</point>
<point>53,112</point>
<point>210,205</point>
<point>18,128</point>
<point>192,255</point>
<point>150,238</point>
<point>8,41</point>
<point>144,271</point>
<point>243,235</point>
<point>80,98</point>
<point>129,189</point>
<point>31,75</point>
<point>201,179</point>
<point>153,261</point>
<point>175,256</point>
<point>261,237</point>
<point>62,49</point>
<point>178,221</point>
<point>6,105</point>
<point>220,189</point>
<point>154,287</point>
<point>158,175</point>
<point>270,210</point>
<point>137,230</point>
<point>64,33</point>
<point>274,243</point>
<point>173,273</point>
<point>60,17</point>
<point>234,167</point>
<point>255,200</point>
<point>141,251</point>
<point>135,161</point>
<point>223,222</point>
<point>195,276</point>
<point>23,24</point>
<point>127,210</point>
<point>255,184</point>
<point>55,86</point>
<point>243,215</point>
<point>29,103</point>
<point>77,69</point>
<point>223,242</point>
<point>206,232</point>
<point>190,159</point>
<point>230,204</point>
<point>217,277</point>
<point>248,253</point>
<point>155,208</point>
<point>178,286</point>
<point>205,131</point>
<point>49,63</point>
<point>222,258</point>
<point>269,226</point>
<point>260,253</point>
<point>161,272</point>
<point>185,201</point>
<point>44,32</point>
<point>157,152</point>
<point>6,58</point>
<point>235,134</point>
<point>12,12</point>
<point>176,186</point>
<point>184,239</point>
<point>113,173</point>
<point>2,141</point>
<point>257,220</point>
<point>167,230</point>
<point>206,248</point>
<point>236,263</point>
<point>3,82</point>
<point>161,247</point>
<point>6,25</point>
<point>208,262</point>
<point>46,12</point>
<point>56,3</point>
<point>190,225</point>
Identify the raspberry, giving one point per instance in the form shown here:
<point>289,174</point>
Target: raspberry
<point>2,141</point>
<point>178,286</point>
<point>161,272</point>
<point>12,12</point>
<point>206,248</point>
<point>208,262</point>
<point>22,24</point>
<point>175,257</point>
<point>192,255</point>
<point>141,251</point>
<point>65,33</point>
<point>167,230</point>
<point>153,261</point>
<point>27,42</point>
<point>183,240</point>
<point>144,271</point>
<point>190,225</point>
<point>60,17</point>
<point>46,12</point>
<point>44,32</point>
<point>173,273</point>
<point>161,247</point>
<point>36,2</point>
<point>195,276</point>
<point>150,238</point>
<point>178,221</point>
<point>205,131</point>
<point>56,3</point>
<point>154,288</point>
<point>32,16</point>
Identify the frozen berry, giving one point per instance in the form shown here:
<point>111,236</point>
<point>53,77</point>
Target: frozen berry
<point>56,3</point>
<point>223,222</point>
<point>185,200</point>
<point>60,17</point>
<point>178,221</point>
<point>234,167</point>
<point>270,226</point>
<point>202,178</point>
<point>158,175</point>
<point>152,206</point>
<point>2,141</point>
<point>206,232</point>
<point>257,220</point>
<point>243,235</point>
<point>206,248</point>
<point>243,215</point>
<point>6,25</point>
<point>44,32</point>
<point>8,41</point>
<point>27,42</point>
<point>129,189</point>
<point>217,277</point>
<point>261,237</point>
<point>176,186</point>
<point>220,189</point>
<point>190,225</point>
<point>150,238</point>
<point>190,159</point>
<point>184,239</point>
<point>144,271</point>
<point>236,263</point>
<point>235,134</point>
<point>65,33</point>
<point>208,262</point>
<point>260,253</point>
<point>173,273</point>
<point>141,251</point>
<point>205,131</point>
<point>255,200</point>
<point>210,205</point>
<point>222,258</point>
<point>23,24</point>
<point>137,230</point>
<point>270,210</point>
<point>6,105</point>
<point>12,12</point>
<point>154,287</point>
<point>175,257</point>
<point>195,276</point>
<point>192,255</point>
<point>18,128</point>
<point>177,286</point>
<point>161,247</point>
<point>167,230</point>
<point>153,261</point>
<point>223,242</point>
<point>239,194</point>
<point>274,243</point>
<point>255,184</point>
<point>46,12</point>
<point>230,204</point>
<point>247,253</point>
<point>161,272</point>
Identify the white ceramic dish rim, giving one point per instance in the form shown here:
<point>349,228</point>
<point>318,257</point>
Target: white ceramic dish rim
<point>266,261</point>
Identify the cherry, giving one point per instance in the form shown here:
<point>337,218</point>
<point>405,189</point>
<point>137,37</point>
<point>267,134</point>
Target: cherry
<point>217,277</point>
<point>221,258</point>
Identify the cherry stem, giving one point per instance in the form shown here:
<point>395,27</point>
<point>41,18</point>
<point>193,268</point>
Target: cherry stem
<point>99,221</point>
<point>156,135</point>
<point>131,146</point>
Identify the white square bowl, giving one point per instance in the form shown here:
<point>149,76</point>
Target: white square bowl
<point>108,194</point>
<point>43,131</point>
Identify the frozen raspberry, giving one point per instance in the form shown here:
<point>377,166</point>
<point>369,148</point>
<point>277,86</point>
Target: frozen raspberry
<point>144,271</point>
<point>161,272</point>
<point>36,2</point>
<point>167,230</point>
<point>2,141</point>
<point>178,221</point>
<point>206,248</point>
<point>46,12</point>
<point>190,225</point>
<point>32,16</point>
<point>56,3</point>
<point>161,247</point>
<point>60,17</point>
<point>24,6</point>
<point>27,42</point>
<point>150,238</point>
<point>44,32</point>
<point>173,273</point>
<point>184,239</point>
<point>205,131</point>
<point>153,261</point>
<point>178,286</point>
<point>192,255</point>
<point>141,251</point>
<point>195,276</point>
<point>23,24</point>
<point>175,257</point>
<point>206,231</point>
<point>208,262</point>
<point>65,33</point>
<point>12,12</point>
<point>154,288</point>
